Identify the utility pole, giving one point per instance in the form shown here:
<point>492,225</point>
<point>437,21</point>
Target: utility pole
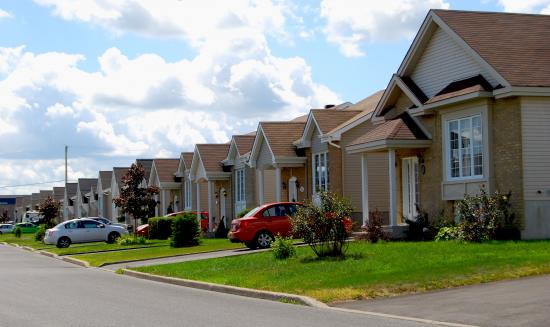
<point>66,198</point>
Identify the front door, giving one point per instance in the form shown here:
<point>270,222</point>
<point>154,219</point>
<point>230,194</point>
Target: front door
<point>409,178</point>
<point>222,207</point>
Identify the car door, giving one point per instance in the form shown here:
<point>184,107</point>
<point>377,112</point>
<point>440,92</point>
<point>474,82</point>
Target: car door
<point>72,231</point>
<point>92,231</point>
<point>279,224</point>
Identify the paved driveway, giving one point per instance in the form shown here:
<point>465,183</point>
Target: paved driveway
<point>521,302</point>
<point>41,291</point>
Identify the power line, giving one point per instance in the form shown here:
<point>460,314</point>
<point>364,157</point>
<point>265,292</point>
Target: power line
<point>32,184</point>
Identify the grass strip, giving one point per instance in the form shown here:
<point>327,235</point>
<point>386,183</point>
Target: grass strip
<point>371,270</point>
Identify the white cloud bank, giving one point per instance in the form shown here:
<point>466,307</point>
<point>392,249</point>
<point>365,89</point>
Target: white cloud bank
<point>526,6</point>
<point>4,14</point>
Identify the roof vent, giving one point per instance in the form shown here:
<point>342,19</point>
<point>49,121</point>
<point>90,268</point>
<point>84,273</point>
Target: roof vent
<point>328,106</point>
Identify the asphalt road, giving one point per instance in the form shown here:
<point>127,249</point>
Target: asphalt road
<point>39,291</point>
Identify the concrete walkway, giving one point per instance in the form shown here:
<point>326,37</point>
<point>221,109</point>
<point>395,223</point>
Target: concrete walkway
<point>521,302</point>
<point>182,258</point>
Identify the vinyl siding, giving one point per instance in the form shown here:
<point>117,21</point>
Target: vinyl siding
<point>535,120</point>
<point>443,62</point>
<point>316,144</point>
<point>269,186</point>
<point>265,157</point>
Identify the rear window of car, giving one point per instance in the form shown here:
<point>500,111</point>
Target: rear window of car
<point>252,212</point>
<point>276,211</point>
<point>71,225</point>
<point>90,224</point>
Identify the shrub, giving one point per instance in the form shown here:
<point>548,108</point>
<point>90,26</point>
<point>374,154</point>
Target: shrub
<point>160,228</point>
<point>449,233</point>
<point>221,231</point>
<point>283,248</point>
<point>244,212</point>
<point>373,230</point>
<point>131,240</point>
<point>185,230</point>
<point>40,233</point>
<point>323,226</point>
<point>17,232</point>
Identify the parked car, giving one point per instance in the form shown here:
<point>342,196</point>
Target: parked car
<point>143,230</point>
<point>6,228</point>
<point>108,222</point>
<point>26,228</point>
<point>257,228</point>
<point>82,230</point>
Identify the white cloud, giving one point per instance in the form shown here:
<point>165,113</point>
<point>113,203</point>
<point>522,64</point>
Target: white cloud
<point>58,110</point>
<point>526,6</point>
<point>350,24</point>
<point>4,14</point>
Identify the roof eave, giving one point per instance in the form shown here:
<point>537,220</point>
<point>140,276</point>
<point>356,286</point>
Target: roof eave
<point>386,144</point>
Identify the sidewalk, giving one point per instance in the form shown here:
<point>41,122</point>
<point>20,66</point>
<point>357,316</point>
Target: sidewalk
<point>520,302</point>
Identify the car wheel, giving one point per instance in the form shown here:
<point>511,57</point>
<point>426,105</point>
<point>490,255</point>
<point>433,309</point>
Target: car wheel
<point>263,240</point>
<point>63,242</point>
<point>112,237</point>
<point>251,245</point>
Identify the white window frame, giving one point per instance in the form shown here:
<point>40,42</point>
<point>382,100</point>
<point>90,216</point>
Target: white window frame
<point>447,140</point>
<point>318,178</point>
<point>188,194</point>
<point>240,190</point>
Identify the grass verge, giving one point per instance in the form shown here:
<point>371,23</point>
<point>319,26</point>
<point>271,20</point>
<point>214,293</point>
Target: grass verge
<point>104,258</point>
<point>25,240</point>
<point>368,271</point>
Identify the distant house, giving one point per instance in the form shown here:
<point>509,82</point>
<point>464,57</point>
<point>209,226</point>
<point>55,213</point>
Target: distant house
<point>279,166</point>
<point>162,175</point>
<point>58,195</point>
<point>116,183</point>
<point>85,203</point>
<point>35,201</point>
<point>243,176</point>
<point>208,175</point>
<point>186,188</point>
<point>103,191</point>
<point>467,109</point>
<point>70,195</point>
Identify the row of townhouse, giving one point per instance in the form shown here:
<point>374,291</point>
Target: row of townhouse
<point>468,108</point>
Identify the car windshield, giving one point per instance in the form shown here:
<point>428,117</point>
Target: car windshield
<point>252,212</point>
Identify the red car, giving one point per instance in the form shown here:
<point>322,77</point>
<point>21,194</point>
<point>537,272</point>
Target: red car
<point>143,230</point>
<point>257,228</point>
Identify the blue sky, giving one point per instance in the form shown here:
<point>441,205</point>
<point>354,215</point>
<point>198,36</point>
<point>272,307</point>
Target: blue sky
<point>132,78</point>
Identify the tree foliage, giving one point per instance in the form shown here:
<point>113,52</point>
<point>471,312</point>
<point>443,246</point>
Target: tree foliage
<point>136,199</point>
<point>49,209</point>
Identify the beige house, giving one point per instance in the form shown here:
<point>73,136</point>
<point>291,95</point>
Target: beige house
<point>116,183</point>
<point>242,175</point>
<point>468,108</point>
<point>280,167</point>
<point>163,176</point>
<point>103,191</point>
<point>70,193</point>
<point>208,174</point>
<point>186,188</point>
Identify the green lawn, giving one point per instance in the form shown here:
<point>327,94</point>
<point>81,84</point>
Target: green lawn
<point>102,246</point>
<point>100,259</point>
<point>368,271</point>
<point>25,240</point>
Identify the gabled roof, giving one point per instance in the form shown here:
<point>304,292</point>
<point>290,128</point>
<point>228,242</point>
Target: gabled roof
<point>147,164</point>
<point>244,143</point>
<point>281,135</point>
<point>462,87</point>
<point>165,169</point>
<point>517,46</point>
<point>118,172</point>
<point>86,184</point>
<point>105,177</point>
<point>71,189</point>
<point>44,194</point>
<point>59,193</point>
<point>187,159</point>
<point>327,119</point>
<point>211,156</point>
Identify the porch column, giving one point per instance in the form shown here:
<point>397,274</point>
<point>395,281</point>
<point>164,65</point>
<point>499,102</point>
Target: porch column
<point>364,189</point>
<point>199,202</point>
<point>163,203</point>
<point>260,187</point>
<point>210,206</point>
<point>393,187</point>
<point>278,182</point>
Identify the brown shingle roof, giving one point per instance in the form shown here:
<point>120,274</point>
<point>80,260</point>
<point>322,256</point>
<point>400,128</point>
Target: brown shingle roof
<point>86,184</point>
<point>281,135</point>
<point>244,143</point>
<point>516,45</point>
<point>147,165</point>
<point>166,169</point>
<point>59,193</point>
<point>328,119</point>
<point>212,155</point>
<point>105,177</point>
<point>44,194</point>
<point>366,106</point>
<point>401,128</point>
<point>462,87</point>
<point>71,189</point>
<point>119,172</point>
<point>187,159</point>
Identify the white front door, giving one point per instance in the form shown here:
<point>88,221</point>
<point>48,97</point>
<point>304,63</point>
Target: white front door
<point>292,190</point>
<point>409,179</point>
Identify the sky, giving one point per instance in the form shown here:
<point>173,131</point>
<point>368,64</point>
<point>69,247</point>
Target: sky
<point>116,80</point>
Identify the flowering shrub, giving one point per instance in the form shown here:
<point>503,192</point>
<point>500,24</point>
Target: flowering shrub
<point>373,230</point>
<point>283,248</point>
<point>326,226</point>
<point>449,233</point>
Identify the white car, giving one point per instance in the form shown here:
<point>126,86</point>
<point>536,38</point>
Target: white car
<point>82,230</point>
<point>6,228</point>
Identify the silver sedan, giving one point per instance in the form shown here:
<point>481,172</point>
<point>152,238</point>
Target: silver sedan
<point>81,231</point>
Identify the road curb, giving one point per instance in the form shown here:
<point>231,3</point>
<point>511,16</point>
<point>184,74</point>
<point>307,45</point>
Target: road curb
<point>265,295</point>
<point>75,261</point>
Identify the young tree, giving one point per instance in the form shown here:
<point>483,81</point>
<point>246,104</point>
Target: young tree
<point>135,198</point>
<point>49,209</point>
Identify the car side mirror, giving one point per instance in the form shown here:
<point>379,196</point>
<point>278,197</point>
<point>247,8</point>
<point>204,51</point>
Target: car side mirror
<point>101,226</point>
